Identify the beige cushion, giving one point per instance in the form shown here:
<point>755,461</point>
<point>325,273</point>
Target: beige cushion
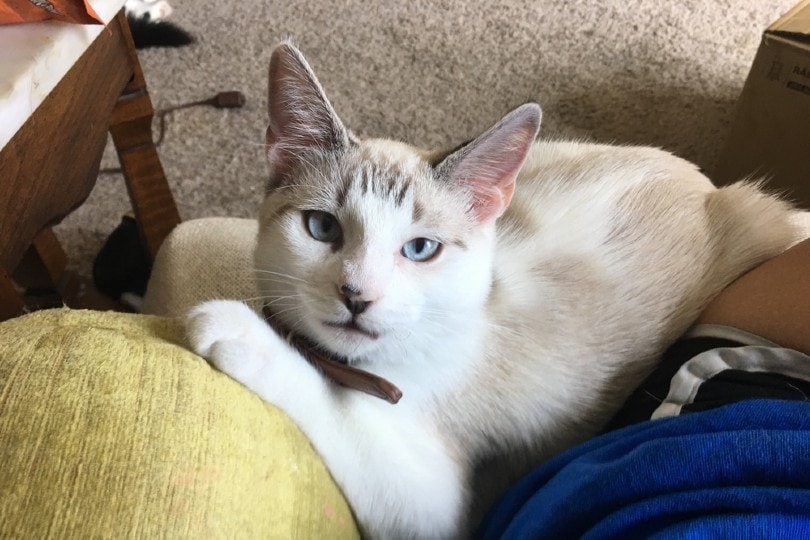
<point>203,259</point>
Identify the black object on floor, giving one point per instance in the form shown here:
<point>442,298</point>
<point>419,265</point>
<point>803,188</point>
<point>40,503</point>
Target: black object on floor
<point>123,264</point>
<point>147,33</point>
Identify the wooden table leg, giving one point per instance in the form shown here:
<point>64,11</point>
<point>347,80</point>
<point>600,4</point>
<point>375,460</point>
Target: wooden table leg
<point>131,129</point>
<point>43,264</point>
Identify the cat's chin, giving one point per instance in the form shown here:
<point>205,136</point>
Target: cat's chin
<point>348,339</point>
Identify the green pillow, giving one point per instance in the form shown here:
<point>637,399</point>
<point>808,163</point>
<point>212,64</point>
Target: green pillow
<point>110,428</point>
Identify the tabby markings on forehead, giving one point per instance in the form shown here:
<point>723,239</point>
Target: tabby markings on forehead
<point>418,211</point>
<point>403,190</point>
<point>384,182</point>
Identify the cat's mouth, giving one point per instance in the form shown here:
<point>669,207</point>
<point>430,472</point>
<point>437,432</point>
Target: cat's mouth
<point>352,326</point>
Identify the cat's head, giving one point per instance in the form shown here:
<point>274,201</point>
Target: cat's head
<point>369,247</point>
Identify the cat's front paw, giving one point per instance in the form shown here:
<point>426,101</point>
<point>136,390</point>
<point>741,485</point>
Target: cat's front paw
<point>161,10</point>
<point>228,334</point>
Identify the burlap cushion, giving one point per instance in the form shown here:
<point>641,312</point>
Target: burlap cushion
<point>110,428</point>
<point>204,259</point>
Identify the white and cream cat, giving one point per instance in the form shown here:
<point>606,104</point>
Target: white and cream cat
<point>515,291</point>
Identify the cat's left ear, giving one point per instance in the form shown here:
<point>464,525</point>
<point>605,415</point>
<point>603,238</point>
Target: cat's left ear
<point>488,166</point>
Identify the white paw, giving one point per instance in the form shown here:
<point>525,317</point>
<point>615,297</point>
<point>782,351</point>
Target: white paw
<point>161,10</point>
<point>233,338</point>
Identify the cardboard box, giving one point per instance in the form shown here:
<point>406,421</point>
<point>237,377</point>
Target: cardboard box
<point>770,135</point>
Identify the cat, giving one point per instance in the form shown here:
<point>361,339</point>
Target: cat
<point>148,25</point>
<point>515,290</point>
<point>122,267</point>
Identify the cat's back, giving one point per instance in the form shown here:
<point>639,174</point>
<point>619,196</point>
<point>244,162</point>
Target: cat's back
<point>604,257</point>
<point>581,212</point>
<point>576,192</point>
<point>614,236</point>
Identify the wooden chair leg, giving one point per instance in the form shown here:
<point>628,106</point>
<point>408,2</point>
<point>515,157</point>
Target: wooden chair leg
<point>11,305</point>
<point>43,264</point>
<point>41,271</point>
<point>131,129</point>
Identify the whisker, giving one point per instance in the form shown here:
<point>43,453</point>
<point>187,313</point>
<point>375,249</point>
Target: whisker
<point>272,298</point>
<point>275,314</point>
<point>279,274</point>
<point>288,186</point>
<point>251,299</point>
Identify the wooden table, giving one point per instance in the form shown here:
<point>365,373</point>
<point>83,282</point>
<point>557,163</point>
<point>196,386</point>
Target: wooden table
<point>50,165</point>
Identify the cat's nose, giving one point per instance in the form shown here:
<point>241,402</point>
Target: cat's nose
<point>356,307</point>
<point>352,299</point>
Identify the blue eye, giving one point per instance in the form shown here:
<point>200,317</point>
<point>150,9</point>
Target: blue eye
<point>322,226</point>
<point>420,249</point>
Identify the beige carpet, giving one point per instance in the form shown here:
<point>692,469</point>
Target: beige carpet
<point>436,73</point>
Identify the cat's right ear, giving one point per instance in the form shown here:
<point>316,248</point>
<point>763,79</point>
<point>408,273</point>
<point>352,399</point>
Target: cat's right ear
<point>302,120</point>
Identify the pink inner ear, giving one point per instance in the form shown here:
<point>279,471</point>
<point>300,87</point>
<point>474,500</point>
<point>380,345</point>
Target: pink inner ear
<point>280,160</point>
<point>490,202</point>
<point>492,162</point>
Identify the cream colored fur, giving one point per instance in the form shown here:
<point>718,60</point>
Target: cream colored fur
<point>566,269</point>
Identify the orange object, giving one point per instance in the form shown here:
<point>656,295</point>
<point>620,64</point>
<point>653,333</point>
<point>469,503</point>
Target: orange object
<point>72,11</point>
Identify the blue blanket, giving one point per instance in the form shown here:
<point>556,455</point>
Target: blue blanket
<point>741,471</point>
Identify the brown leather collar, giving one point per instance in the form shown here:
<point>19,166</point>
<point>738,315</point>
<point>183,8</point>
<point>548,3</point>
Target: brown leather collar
<point>336,368</point>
